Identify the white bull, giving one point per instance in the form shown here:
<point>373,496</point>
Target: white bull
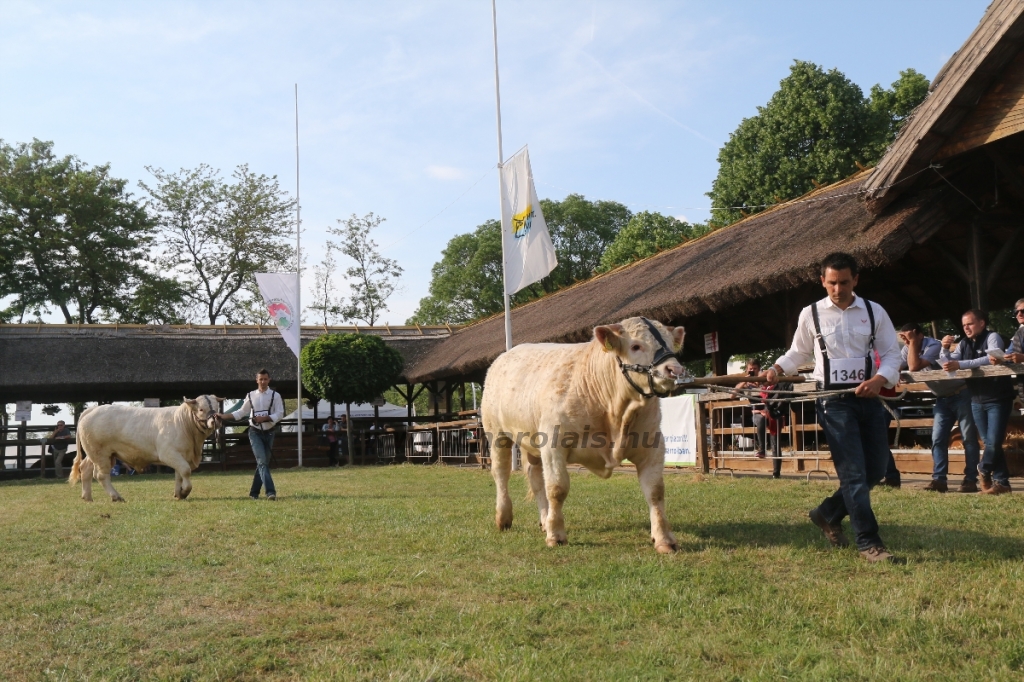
<point>576,403</point>
<point>140,436</point>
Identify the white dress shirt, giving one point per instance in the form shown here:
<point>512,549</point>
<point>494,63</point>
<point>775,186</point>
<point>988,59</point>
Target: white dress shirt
<point>846,334</point>
<point>267,402</point>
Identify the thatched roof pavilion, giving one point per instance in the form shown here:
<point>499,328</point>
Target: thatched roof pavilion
<point>933,240</point>
<point>63,363</point>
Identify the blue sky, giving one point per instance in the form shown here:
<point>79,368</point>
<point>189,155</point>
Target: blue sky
<point>617,100</point>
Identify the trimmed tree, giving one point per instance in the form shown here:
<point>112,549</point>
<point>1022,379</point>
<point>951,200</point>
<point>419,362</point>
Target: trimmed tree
<point>350,368</point>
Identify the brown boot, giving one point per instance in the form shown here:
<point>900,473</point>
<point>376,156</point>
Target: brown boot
<point>984,480</point>
<point>997,488</point>
<point>937,486</point>
<point>879,554</point>
<point>833,532</point>
<point>968,487</point>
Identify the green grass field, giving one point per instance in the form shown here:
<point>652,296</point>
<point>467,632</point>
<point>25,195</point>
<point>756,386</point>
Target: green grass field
<point>397,573</point>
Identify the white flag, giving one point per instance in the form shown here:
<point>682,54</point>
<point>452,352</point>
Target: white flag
<point>279,291</point>
<point>529,255</point>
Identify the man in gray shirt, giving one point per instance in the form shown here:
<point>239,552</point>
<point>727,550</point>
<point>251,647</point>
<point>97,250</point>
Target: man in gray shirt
<point>952,405</point>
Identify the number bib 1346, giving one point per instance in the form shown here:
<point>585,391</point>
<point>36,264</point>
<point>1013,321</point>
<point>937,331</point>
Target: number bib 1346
<point>846,372</point>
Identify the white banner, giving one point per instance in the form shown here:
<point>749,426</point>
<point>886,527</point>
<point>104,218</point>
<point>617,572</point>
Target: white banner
<point>529,254</point>
<point>23,411</point>
<point>279,291</point>
<point>679,429</point>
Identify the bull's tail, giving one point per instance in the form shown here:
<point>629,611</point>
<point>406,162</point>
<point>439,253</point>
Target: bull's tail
<point>76,467</point>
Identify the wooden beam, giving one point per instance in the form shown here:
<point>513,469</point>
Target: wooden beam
<point>958,268</point>
<point>1007,172</point>
<point>1001,259</point>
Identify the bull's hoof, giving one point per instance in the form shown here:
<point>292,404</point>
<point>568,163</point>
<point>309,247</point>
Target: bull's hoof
<point>86,499</point>
<point>667,548</point>
<point>503,521</point>
<point>185,493</point>
<point>555,542</point>
<point>118,499</point>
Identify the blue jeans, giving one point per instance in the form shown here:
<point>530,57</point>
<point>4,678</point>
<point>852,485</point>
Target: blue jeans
<point>991,420</point>
<point>949,410</point>
<point>857,437</point>
<point>261,442</point>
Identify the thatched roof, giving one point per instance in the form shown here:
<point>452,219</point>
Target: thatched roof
<point>771,252</point>
<point>955,91</point>
<point>62,363</point>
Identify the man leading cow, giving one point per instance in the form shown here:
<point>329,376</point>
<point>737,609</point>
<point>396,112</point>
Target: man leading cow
<point>264,407</point>
<point>843,333</point>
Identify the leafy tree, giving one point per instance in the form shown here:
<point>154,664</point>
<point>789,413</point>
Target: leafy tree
<point>814,129</point>
<point>891,108</point>
<point>466,283</point>
<point>155,300</point>
<point>644,235</point>
<point>325,302</point>
<point>580,230</point>
<point>217,235</point>
<point>374,278</point>
<point>349,368</point>
<point>71,237</point>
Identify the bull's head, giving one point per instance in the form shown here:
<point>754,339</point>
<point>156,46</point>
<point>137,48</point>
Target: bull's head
<point>643,346</point>
<point>204,409</point>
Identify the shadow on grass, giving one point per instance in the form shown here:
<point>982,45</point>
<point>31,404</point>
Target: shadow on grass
<point>941,544</point>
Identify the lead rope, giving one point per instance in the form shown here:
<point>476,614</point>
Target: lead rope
<point>807,395</point>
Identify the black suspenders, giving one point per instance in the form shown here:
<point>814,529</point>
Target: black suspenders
<point>844,381</point>
<point>253,407</point>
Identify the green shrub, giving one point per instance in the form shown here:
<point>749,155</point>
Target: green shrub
<point>349,368</point>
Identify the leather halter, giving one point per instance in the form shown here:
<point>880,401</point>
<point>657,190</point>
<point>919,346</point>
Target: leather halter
<point>661,355</point>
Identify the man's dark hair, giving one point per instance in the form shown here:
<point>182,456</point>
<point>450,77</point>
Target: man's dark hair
<point>839,261</point>
<point>263,371</point>
<point>753,361</point>
<point>978,314</point>
<point>912,327</point>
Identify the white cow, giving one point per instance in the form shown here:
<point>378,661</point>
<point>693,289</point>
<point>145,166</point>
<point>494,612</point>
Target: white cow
<point>140,436</point>
<point>591,403</point>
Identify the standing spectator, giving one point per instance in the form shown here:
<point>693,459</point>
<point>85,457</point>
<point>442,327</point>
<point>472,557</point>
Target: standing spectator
<point>60,440</point>
<point>952,405</point>
<point>841,333</point>
<point>1016,348</point>
<point>266,407</point>
<point>330,430</point>
<point>757,408</point>
<point>343,436</point>
<point>991,397</point>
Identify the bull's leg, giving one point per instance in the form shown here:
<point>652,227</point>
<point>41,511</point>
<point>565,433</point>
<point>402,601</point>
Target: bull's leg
<point>652,483</point>
<point>535,475</point>
<point>556,484</point>
<point>182,474</point>
<point>501,470</point>
<point>86,472</point>
<point>103,466</point>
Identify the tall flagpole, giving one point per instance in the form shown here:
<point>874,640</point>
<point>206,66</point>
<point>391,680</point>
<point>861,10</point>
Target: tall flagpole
<point>501,191</point>
<point>298,269</point>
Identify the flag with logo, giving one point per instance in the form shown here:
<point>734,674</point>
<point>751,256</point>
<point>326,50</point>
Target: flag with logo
<point>279,291</point>
<point>529,254</point>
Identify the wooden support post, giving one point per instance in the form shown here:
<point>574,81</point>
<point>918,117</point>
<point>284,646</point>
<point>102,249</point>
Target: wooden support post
<point>704,460</point>
<point>21,464</point>
<point>976,267</point>
<point>462,395</point>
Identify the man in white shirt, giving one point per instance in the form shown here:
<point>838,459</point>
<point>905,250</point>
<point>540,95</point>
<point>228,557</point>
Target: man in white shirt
<point>266,407</point>
<point>853,344</point>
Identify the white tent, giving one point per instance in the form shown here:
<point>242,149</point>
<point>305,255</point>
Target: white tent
<point>323,411</point>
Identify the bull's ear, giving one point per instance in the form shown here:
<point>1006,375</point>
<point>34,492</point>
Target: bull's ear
<point>609,336</point>
<point>219,400</point>
<point>678,334</point>
<point>190,401</point>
